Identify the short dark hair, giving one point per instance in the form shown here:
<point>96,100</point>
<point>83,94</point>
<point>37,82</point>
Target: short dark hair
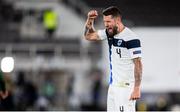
<point>112,10</point>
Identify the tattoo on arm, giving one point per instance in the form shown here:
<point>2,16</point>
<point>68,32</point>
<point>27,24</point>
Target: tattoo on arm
<point>138,77</point>
<point>89,27</point>
<point>138,72</point>
<point>86,30</point>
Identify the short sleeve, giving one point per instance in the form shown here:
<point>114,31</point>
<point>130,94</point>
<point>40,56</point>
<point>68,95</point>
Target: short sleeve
<point>102,34</point>
<point>134,47</point>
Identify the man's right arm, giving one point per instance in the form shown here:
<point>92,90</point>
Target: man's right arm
<point>90,33</point>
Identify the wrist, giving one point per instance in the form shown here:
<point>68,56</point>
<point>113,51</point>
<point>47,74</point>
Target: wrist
<point>137,88</point>
<point>90,19</point>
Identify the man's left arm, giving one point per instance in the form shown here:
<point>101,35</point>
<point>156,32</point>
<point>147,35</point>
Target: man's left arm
<point>136,94</point>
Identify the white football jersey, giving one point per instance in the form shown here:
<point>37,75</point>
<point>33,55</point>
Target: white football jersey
<point>123,47</point>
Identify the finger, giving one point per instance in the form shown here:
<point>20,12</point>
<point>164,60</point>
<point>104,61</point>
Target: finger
<point>134,98</point>
<point>131,98</point>
<point>95,12</point>
<point>92,13</point>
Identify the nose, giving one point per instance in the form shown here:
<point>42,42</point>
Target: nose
<point>106,25</point>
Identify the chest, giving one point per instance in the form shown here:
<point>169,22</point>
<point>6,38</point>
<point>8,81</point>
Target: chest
<point>118,48</point>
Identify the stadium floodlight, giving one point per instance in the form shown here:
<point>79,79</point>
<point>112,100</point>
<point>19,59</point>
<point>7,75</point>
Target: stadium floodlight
<point>7,64</point>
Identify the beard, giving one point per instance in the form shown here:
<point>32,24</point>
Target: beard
<point>114,31</point>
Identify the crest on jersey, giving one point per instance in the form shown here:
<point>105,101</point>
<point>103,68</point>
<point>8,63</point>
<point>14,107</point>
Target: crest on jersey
<point>119,42</point>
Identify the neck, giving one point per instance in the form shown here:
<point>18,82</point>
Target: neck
<point>121,27</point>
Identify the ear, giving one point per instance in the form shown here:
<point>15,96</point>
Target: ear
<point>117,20</point>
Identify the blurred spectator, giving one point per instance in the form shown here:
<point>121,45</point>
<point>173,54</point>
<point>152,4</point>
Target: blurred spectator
<point>26,93</point>
<point>95,92</point>
<point>3,92</point>
<point>42,103</point>
<point>31,94</point>
<point>49,89</point>
<point>70,85</point>
<point>20,79</point>
<point>7,103</point>
<point>162,103</point>
<point>50,22</point>
<point>19,92</point>
<point>6,10</point>
<point>96,88</point>
<point>175,97</point>
<point>154,102</point>
<point>142,106</point>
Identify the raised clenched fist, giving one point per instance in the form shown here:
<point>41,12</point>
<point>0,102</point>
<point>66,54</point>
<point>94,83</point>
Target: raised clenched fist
<point>92,14</point>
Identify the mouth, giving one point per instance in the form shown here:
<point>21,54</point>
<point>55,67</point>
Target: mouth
<point>110,30</point>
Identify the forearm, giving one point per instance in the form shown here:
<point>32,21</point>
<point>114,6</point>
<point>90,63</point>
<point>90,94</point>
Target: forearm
<point>138,77</point>
<point>89,27</point>
<point>89,32</point>
<point>136,94</point>
<point>138,74</point>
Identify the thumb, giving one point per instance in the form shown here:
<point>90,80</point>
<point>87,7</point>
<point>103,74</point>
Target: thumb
<point>131,97</point>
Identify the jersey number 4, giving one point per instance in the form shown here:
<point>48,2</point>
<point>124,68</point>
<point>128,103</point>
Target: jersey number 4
<point>118,51</point>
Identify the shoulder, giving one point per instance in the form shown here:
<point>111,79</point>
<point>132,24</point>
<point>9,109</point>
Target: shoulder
<point>130,35</point>
<point>102,34</point>
<point>101,31</point>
